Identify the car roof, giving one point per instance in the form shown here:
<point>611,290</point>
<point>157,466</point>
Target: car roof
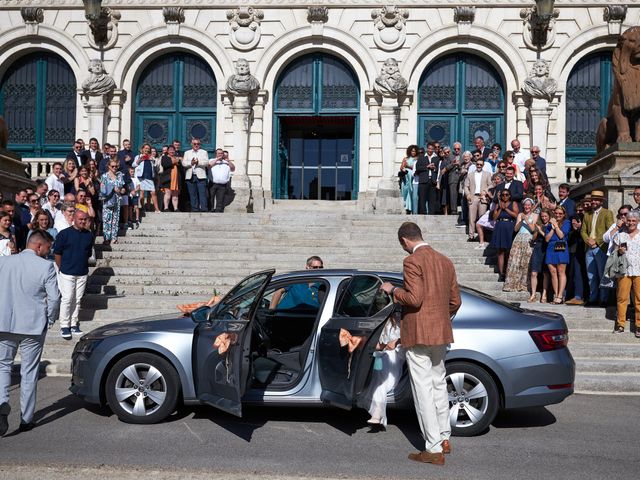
<point>334,272</point>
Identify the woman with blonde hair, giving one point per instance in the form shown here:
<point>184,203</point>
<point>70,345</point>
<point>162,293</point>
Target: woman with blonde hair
<point>557,255</point>
<point>520,256</point>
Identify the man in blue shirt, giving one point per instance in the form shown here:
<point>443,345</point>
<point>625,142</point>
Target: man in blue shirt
<point>72,250</point>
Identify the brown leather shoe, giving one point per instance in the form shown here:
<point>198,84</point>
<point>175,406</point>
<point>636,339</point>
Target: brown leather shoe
<point>446,447</point>
<point>426,457</point>
<point>574,301</point>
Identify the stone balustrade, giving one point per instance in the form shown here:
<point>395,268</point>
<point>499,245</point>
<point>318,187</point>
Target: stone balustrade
<point>40,167</point>
<point>573,173</point>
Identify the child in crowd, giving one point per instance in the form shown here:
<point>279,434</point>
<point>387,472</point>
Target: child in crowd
<point>134,202</point>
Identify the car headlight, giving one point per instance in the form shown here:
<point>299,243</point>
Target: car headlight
<point>86,346</point>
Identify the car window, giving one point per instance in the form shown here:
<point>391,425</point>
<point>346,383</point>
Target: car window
<point>362,297</point>
<point>306,294</point>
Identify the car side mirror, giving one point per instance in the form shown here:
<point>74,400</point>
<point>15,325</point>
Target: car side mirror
<point>201,314</point>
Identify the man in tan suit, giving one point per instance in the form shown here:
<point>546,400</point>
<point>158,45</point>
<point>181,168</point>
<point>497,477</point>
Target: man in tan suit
<point>430,297</point>
<point>594,226</point>
<point>476,191</point>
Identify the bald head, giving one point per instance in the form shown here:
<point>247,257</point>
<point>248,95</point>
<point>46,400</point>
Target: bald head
<point>80,219</point>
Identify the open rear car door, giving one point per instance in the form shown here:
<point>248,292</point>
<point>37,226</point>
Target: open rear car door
<point>221,344</point>
<point>348,340</point>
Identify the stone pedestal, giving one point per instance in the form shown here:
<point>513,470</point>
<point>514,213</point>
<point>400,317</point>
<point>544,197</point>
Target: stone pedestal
<point>616,171</point>
<point>241,115</point>
<point>539,113</point>
<point>96,108</point>
<point>388,194</point>
<point>13,176</point>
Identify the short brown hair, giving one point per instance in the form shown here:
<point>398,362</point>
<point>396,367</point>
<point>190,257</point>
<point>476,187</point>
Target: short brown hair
<point>410,231</point>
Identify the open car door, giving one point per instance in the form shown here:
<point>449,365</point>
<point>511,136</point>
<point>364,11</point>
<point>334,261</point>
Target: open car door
<point>349,338</point>
<point>222,343</point>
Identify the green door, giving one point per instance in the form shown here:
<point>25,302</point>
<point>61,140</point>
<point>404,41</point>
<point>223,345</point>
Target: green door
<point>461,97</point>
<point>176,98</point>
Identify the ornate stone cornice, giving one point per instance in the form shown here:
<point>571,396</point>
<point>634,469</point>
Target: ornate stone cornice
<point>464,14</point>
<point>198,4</point>
<point>32,14</point>
<point>614,15</point>
<point>173,14</point>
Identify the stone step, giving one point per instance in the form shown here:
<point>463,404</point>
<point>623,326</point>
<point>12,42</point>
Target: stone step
<point>602,336</point>
<point>596,350</point>
<point>607,382</point>
<point>608,365</point>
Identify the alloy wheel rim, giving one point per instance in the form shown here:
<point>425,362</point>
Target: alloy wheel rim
<point>468,400</point>
<point>141,389</point>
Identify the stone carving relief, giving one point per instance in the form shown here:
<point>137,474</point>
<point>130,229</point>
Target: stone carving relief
<point>173,17</point>
<point>108,23</point>
<point>245,27</point>
<point>99,82</point>
<point>614,15</point>
<point>32,16</point>
<point>538,84</point>
<point>317,17</point>
<point>242,82</point>
<point>390,82</point>
<point>390,27</point>
<point>464,17</point>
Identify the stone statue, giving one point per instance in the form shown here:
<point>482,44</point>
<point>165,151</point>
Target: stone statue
<point>538,84</point>
<point>622,123</point>
<point>4,133</point>
<point>390,82</point>
<point>98,83</point>
<point>242,83</point>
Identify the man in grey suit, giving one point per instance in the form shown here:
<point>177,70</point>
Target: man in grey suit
<point>29,299</point>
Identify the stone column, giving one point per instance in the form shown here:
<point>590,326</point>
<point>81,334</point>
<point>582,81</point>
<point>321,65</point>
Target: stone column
<point>241,116</point>
<point>242,90</point>
<point>96,108</point>
<point>539,113</point>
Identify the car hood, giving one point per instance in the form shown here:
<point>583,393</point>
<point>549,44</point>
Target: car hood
<point>165,323</point>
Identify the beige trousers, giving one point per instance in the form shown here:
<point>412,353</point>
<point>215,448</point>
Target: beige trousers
<point>476,210</point>
<point>427,371</point>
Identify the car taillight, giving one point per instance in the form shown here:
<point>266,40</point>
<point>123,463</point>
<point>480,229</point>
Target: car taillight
<point>547,340</point>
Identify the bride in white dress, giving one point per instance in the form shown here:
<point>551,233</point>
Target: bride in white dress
<point>387,369</point>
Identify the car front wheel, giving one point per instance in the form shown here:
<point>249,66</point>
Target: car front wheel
<point>142,388</point>
<point>473,399</point>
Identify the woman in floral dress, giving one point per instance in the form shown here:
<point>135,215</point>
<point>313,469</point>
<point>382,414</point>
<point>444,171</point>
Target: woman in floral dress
<point>111,187</point>
<point>520,256</point>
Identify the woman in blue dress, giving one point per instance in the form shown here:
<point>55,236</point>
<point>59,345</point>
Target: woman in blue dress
<point>557,256</point>
<point>504,215</point>
<point>408,162</point>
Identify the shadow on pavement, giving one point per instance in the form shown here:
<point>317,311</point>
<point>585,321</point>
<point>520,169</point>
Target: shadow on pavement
<point>524,418</point>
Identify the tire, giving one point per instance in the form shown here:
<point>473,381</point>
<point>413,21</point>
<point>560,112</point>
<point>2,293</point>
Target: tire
<point>131,399</point>
<point>471,415</point>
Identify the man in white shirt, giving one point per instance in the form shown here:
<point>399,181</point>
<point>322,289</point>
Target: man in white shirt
<point>55,181</point>
<point>486,167</point>
<point>521,155</point>
<point>195,162</point>
<point>221,169</point>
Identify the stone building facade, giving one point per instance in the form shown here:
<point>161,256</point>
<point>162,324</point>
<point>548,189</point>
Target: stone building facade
<point>329,114</point>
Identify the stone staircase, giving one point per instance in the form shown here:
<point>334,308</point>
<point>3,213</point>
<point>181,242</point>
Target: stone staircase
<point>178,258</point>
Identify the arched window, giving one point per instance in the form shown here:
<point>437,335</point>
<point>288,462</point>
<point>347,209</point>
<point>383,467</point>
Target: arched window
<point>588,91</point>
<point>176,97</point>
<point>461,97</point>
<point>38,101</point>
<point>316,119</point>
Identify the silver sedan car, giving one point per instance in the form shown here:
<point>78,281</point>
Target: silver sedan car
<point>276,341</point>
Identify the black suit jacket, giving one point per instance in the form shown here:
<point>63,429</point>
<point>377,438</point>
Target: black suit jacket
<point>424,174</point>
<point>516,189</point>
<point>83,157</point>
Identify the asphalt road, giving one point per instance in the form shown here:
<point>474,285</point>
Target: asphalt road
<point>585,437</point>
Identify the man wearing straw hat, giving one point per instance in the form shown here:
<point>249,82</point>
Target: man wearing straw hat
<point>595,224</point>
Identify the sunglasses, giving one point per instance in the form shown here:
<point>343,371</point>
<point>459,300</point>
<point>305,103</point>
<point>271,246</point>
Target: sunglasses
<point>505,195</point>
<point>316,267</point>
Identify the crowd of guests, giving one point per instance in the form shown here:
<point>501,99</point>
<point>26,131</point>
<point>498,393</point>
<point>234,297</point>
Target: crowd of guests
<point>103,192</point>
<point>556,249</point>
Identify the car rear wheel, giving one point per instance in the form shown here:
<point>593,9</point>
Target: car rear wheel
<point>473,399</point>
<point>142,388</point>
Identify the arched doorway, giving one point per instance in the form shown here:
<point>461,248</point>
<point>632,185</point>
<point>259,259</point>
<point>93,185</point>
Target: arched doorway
<point>461,97</point>
<point>38,101</point>
<point>588,91</point>
<point>176,97</point>
<point>316,120</point>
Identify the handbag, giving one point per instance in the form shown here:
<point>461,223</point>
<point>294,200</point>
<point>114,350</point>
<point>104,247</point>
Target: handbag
<point>607,283</point>
<point>560,246</point>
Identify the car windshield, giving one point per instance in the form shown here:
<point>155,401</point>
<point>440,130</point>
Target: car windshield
<point>236,306</point>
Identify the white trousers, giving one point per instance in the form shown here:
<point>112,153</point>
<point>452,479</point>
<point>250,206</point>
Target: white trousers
<point>427,372</point>
<point>71,292</point>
